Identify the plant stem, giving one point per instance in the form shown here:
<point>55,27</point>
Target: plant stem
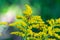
<point>25,38</point>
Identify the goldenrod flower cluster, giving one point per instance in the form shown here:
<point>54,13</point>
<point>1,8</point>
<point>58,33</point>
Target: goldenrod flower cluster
<point>28,10</point>
<point>34,28</point>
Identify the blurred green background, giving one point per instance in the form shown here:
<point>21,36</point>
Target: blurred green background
<point>46,8</point>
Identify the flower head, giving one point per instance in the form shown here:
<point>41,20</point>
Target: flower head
<point>28,10</point>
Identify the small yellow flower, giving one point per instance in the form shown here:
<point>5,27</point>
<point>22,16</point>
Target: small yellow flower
<point>51,22</point>
<point>15,33</point>
<point>4,23</point>
<point>18,26</point>
<point>41,33</point>
<point>30,32</point>
<point>11,24</point>
<point>56,35</point>
<point>50,31</point>
<point>41,24</point>
<point>18,22</point>
<point>51,39</point>
<point>18,33</point>
<point>28,10</point>
<point>58,20</point>
<point>21,28</point>
<point>29,27</point>
<point>23,35</point>
<point>37,17</point>
<point>23,23</point>
<point>18,17</point>
<point>56,30</point>
<point>35,26</point>
<point>28,38</point>
<point>36,34</point>
<point>59,37</point>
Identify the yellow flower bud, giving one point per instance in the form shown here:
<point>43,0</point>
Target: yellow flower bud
<point>28,10</point>
<point>3,23</point>
<point>11,24</point>
<point>59,37</point>
<point>58,20</point>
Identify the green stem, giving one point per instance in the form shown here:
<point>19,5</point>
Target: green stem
<point>25,38</point>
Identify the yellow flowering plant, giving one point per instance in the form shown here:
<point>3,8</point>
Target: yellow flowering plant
<point>34,28</point>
